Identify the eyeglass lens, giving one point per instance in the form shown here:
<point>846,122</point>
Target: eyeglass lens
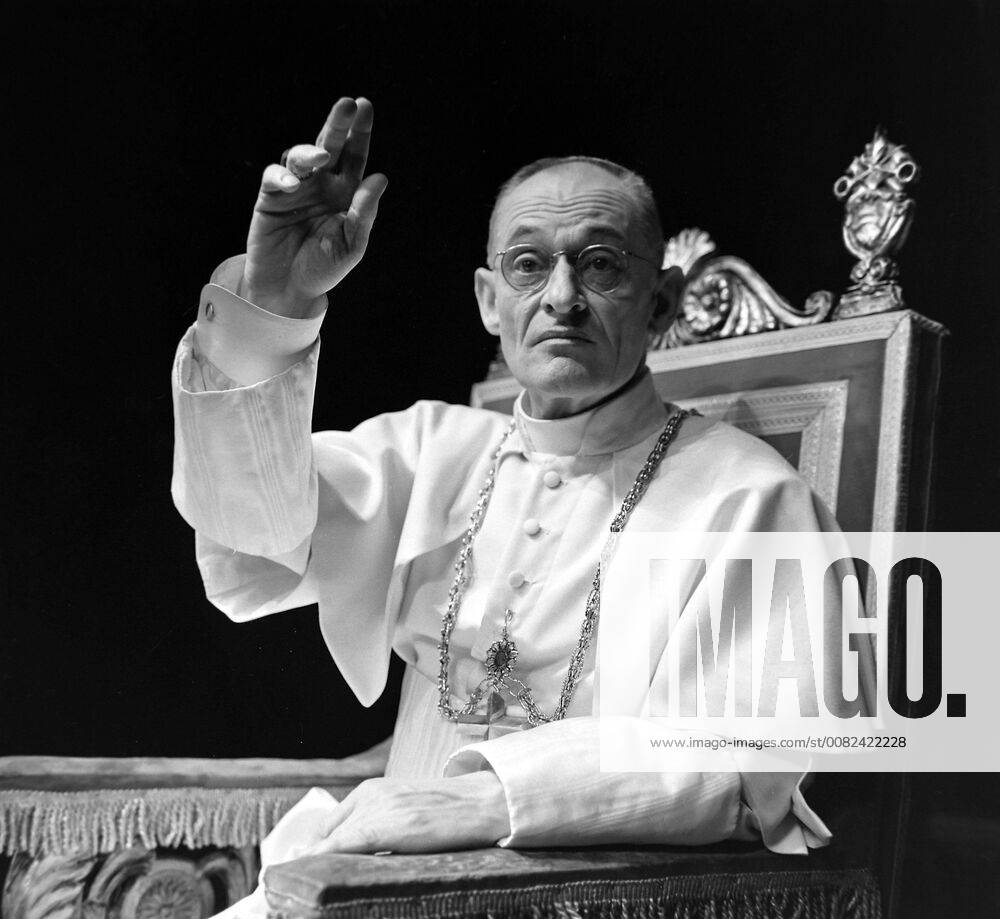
<point>600,268</point>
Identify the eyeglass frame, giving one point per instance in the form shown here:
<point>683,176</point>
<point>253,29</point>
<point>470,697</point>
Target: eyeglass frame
<point>554,257</point>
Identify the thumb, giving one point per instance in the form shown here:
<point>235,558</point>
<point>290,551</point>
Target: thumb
<point>364,207</point>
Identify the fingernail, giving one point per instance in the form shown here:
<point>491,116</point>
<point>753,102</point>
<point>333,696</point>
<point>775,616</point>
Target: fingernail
<point>289,180</point>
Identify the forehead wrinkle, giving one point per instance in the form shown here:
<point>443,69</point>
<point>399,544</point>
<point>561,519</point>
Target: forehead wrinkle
<point>524,217</point>
<point>592,199</point>
<point>541,220</point>
<point>578,212</point>
<point>601,228</point>
<point>582,234</point>
<point>582,226</point>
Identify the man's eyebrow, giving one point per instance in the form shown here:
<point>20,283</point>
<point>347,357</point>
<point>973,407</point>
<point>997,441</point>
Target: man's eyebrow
<point>525,229</point>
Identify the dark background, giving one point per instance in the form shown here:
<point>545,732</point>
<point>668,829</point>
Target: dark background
<point>140,132</point>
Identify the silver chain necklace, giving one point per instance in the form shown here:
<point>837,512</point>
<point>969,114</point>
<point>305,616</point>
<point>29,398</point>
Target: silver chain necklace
<point>500,672</point>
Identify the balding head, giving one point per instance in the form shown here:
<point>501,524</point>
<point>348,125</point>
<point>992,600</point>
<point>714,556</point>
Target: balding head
<point>645,213</point>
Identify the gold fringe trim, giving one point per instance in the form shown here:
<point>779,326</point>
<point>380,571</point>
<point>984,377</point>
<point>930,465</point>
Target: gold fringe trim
<point>789,895</point>
<point>40,823</point>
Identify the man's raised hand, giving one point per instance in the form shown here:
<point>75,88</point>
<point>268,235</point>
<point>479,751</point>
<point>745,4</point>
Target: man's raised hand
<point>313,215</point>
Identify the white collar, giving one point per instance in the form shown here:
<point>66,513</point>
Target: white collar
<point>627,419</point>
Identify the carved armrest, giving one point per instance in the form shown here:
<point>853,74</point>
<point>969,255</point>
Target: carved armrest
<point>79,773</point>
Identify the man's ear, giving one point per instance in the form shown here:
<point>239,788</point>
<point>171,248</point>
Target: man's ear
<point>668,292</point>
<point>486,295</point>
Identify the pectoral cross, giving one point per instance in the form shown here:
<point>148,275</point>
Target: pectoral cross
<point>494,722</point>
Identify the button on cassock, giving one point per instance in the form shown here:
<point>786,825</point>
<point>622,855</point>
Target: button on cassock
<point>531,526</point>
<point>515,579</point>
<point>552,479</point>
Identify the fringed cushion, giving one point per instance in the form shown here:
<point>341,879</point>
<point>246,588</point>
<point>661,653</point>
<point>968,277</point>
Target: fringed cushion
<point>644,883</point>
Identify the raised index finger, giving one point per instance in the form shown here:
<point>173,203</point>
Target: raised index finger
<point>338,123</point>
<point>354,156</point>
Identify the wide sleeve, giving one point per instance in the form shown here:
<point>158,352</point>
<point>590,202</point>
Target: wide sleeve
<point>284,517</point>
<point>243,382</point>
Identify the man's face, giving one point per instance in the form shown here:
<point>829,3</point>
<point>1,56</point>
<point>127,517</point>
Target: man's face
<point>567,345</point>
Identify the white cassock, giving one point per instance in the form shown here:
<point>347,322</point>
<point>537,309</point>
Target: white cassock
<point>367,524</point>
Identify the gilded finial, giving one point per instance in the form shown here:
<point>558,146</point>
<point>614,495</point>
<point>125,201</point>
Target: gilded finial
<point>877,218</point>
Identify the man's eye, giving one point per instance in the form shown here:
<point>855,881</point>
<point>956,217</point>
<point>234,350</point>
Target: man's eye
<point>599,260</point>
<point>527,264</point>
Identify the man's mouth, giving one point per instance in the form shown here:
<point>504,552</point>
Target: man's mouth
<point>562,335</point>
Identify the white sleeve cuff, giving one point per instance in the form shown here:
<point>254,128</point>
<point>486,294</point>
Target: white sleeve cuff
<point>777,806</point>
<point>557,795</point>
<point>247,343</point>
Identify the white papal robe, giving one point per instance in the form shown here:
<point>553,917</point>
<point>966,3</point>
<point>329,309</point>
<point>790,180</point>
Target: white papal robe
<point>367,523</point>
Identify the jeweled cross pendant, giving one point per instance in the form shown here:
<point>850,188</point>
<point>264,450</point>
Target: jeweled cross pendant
<point>494,722</point>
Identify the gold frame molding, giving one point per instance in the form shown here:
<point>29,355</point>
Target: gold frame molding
<point>816,410</point>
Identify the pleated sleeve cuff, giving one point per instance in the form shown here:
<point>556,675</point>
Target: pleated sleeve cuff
<point>243,473</point>
<point>557,795</point>
<point>247,343</point>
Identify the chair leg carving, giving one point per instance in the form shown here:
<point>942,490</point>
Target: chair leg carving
<point>133,883</point>
<point>51,887</point>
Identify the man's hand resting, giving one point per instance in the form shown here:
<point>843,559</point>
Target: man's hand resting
<point>313,215</point>
<point>433,815</point>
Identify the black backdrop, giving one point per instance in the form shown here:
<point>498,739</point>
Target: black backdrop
<point>139,135</point>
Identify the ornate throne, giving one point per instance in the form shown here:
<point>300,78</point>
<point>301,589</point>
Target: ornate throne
<point>844,388</point>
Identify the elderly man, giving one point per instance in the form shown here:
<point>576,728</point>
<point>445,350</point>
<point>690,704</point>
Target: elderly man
<point>462,540</point>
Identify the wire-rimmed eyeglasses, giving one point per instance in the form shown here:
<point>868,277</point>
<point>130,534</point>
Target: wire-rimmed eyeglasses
<point>600,268</point>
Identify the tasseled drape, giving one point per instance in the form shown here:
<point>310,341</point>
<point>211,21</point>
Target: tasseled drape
<point>98,821</point>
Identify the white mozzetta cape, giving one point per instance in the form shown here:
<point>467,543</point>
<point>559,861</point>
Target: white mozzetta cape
<point>367,524</point>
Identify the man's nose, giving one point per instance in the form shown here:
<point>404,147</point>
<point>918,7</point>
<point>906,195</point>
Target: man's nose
<point>562,293</point>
